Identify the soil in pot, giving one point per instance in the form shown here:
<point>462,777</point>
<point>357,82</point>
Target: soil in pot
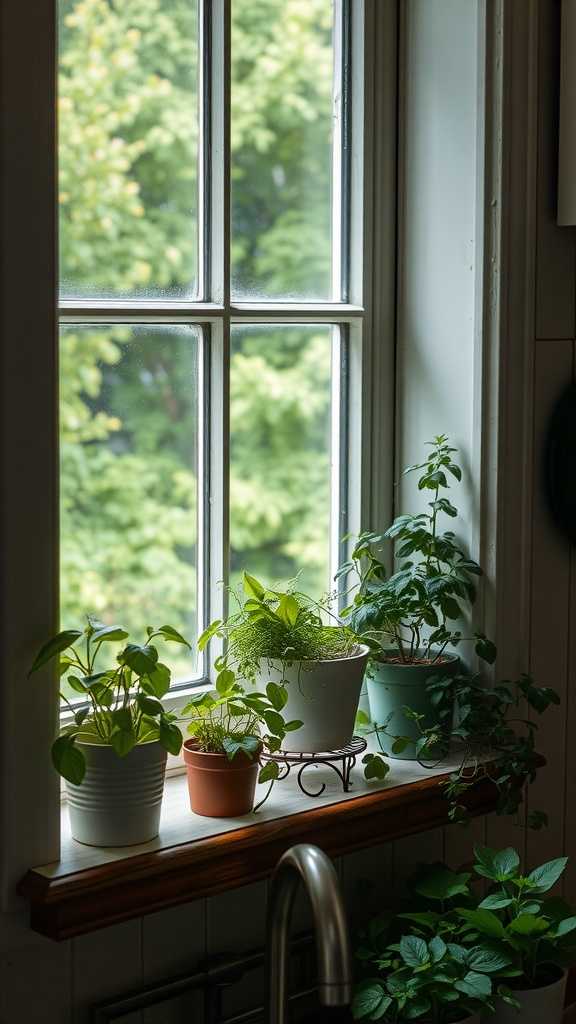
<point>324,695</point>
<point>218,787</point>
<point>537,1005</point>
<point>120,798</point>
<point>395,685</point>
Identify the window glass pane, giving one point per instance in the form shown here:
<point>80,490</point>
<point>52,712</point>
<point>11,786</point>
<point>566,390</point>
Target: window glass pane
<point>128,141</point>
<point>280,454</point>
<point>283,122</point>
<point>129,430</point>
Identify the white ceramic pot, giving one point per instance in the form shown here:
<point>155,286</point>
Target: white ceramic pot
<point>324,696</point>
<point>537,1005</point>
<point>119,801</point>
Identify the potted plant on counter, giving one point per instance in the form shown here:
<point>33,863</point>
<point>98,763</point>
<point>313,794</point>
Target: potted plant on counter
<point>428,980</point>
<point>531,935</point>
<point>536,932</point>
<point>280,637</point>
<point>230,730</point>
<point>112,753</point>
<point>407,617</point>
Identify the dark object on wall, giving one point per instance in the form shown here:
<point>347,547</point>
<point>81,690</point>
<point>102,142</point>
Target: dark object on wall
<point>560,464</point>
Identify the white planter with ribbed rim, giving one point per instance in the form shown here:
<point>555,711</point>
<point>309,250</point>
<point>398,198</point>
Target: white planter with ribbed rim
<point>120,798</point>
<point>324,695</point>
<point>543,1005</point>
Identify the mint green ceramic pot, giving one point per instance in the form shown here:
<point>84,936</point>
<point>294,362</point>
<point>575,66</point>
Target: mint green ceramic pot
<point>393,686</point>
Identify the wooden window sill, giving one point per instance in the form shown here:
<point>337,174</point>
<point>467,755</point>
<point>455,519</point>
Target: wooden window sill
<point>193,857</point>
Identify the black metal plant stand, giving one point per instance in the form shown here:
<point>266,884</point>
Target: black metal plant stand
<point>341,761</point>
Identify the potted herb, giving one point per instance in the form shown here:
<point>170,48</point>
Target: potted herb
<point>537,933</point>
<point>230,730</point>
<point>428,980</point>
<point>281,637</point>
<point>407,617</point>
<point>112,754</point>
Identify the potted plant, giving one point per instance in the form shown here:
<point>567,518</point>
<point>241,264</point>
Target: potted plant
<point>428,980</point>
<point>230,730</point>
<point>281,637</point>
<point>535,931</point>
<point>495,742</point>
<point>406,618</point>
<point>516,920</point>
<point>112,753</point>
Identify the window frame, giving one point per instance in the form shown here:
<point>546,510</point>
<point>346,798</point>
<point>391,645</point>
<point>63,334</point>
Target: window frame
<point>29,585</point>
<point>217,312</point>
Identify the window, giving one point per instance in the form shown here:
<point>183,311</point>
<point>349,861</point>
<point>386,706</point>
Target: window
<point>210,302</point>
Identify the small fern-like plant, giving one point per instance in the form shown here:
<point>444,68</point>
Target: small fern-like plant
<point>276,625</point>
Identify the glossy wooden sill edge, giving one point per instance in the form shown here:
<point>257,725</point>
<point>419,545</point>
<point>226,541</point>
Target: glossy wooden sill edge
<point>107,894</point>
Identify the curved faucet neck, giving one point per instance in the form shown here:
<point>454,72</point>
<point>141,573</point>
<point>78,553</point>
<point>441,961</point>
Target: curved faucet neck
<point>308,864</point>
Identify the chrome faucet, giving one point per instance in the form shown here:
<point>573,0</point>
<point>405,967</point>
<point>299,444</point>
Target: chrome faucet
<point>308,864</point>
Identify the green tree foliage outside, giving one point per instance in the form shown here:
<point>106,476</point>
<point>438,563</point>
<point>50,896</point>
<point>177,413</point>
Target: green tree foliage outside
<point>129,139</point>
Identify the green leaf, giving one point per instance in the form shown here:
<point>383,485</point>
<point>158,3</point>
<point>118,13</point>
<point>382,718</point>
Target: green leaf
<point>224,680</point>
<point>288,609</point>
<point>248,745</point>
<point>485,649</point>
<point>484,861</point>
<point>252,586</point>
<point>400,744</point>
<point>171,634</point>
<point>543,878</point>
<point>439,883</point>
<point>210,631</point>
<point>477,986</point>
<point>370,998</point>
<point>275,722</point>
<point>496,901</point>
<point>376,768</point>
<point>293,725</point>
<point>170,736</point>
<point>528,924</point>
<point>68,760</point>
<point>122,719</point>
<point>141,659</point>
<point>123,740</point>
<point>76,684</point>
<point>565,926</point>
<point>437,948</point>
<point>81,716</point>
<point>109,633</point>
<point>60,642</point>
<point>277,695</point>
<point>486,960</point>
<point>505,864</point>
<point>484,921</point>
<point>149,705</point>
<point>414,951</point>
<point>159,679</point>
<point>269,772</point>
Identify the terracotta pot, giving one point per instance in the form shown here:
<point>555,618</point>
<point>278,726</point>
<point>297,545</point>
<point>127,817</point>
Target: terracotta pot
<point>544,1005</point>
<point>220,788</point>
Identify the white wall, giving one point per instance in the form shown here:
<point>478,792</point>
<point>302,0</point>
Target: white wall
<point>437,235</point>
